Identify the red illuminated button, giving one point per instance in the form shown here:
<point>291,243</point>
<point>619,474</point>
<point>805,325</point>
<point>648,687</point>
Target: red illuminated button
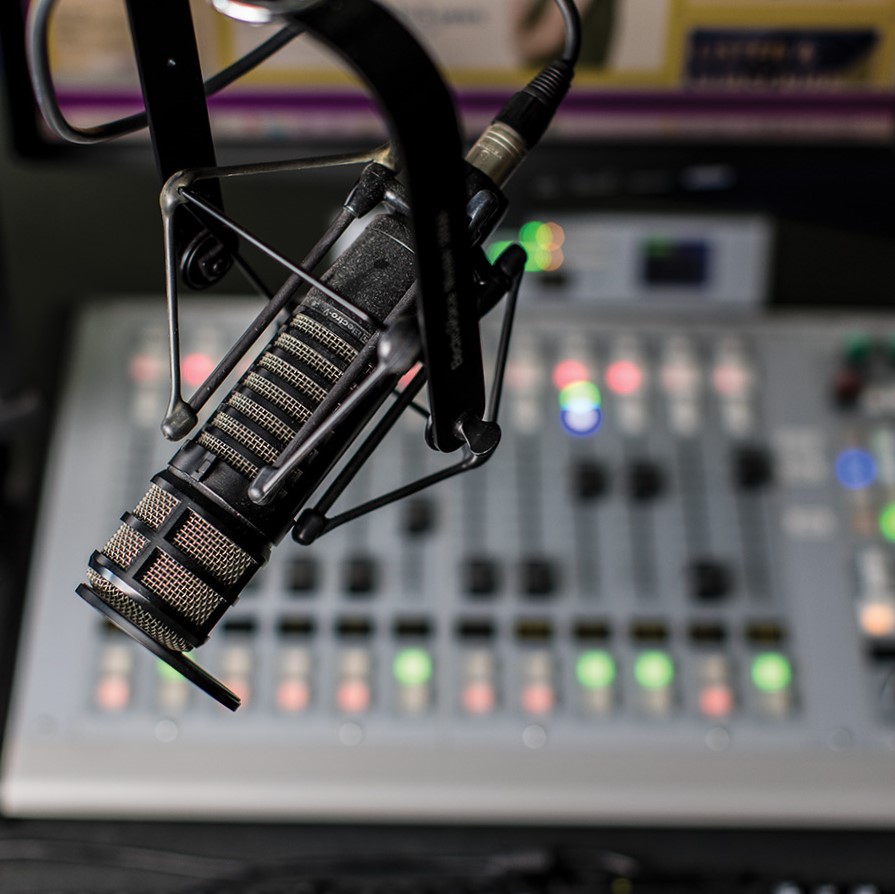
<point>567,372</point>
<point>196,368</point>
<point>146,367</point>
<point>293,696</point>
<point>624,377</point>
<point>478,698</point>
<point>537,698</point>
<point>112,693</point>
<point>732,379</point>
<point>353,696</point>
<point>716,701</point>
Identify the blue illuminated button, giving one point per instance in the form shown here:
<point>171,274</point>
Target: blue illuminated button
<point>581,423</point>
<point>855,468</point>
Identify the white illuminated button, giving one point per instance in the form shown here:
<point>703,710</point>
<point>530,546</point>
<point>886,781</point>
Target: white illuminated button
<point>172,689</point>
<point>680,375</point>
<point>117,659</point>
<point>236,669</point>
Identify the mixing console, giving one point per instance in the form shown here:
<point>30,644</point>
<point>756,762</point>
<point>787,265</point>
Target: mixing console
<point>671,595</point>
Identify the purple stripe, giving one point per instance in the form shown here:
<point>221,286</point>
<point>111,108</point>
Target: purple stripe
<point>579,102</point>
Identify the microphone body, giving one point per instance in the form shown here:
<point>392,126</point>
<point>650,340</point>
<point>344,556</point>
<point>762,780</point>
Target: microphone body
<point>180,559</point>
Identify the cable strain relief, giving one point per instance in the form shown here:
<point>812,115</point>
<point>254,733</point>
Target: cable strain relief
<point>530,111</point>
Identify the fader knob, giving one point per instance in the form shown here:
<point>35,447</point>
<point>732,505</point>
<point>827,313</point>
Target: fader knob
<point>709,580</point>
<point>752,467</point>
<point>645,481</point>
<point>846,387</point>
<point>589,480</point>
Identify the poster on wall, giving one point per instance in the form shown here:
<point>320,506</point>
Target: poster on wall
<point>648,69</point>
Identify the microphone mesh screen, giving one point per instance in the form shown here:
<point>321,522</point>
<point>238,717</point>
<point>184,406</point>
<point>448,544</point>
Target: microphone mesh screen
<point>230,456</point>
<point>260,416</point>
<point>309,357</point>
<point>279,398</point>
<point>248,438</point>
<point>294,376</point>
<point>155,506</point>
<point>133,612</point>
<point>323,336</point>
<point>181,589</point>
<point>124,546</point>
<point>215,552</point>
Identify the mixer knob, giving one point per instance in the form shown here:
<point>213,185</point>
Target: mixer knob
<point>847,385</point>
<point>419,517</point>
<point>752,467</point>
<point>589,480</point>
<point>360,576</point>
<point>645,480</point>
<point>481,577</point>
<point>709,580</point>
<point>301,575</point>
<point>539,578</point>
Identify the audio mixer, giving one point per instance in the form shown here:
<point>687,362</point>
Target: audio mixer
<point>669,597</point>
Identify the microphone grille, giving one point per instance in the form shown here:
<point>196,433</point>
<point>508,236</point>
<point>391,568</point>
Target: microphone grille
<point>170,571</point>
<point>216,553</point>
<point>155,506</point>
<point>131,611</point>
<point>183,591</point>
<point>124,546</point>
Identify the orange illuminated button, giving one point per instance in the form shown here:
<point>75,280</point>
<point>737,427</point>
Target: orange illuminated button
<point>478,698</point>
<point>353,696</point>
<point>877,619</point>
<point>112,693</point>
<point>716,701</point>
<point>293,696</point>
<point>537,698</point>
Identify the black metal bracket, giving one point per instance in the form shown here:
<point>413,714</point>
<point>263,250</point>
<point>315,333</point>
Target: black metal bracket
<point>480,436</point>
<point>174,94</point>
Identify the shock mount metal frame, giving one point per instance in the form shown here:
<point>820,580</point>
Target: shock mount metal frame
<point>455,286</point>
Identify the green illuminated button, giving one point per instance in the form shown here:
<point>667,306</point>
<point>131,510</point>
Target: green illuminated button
<point>412,667</point>
<point>595,669</point>
<point>654,670</point>
<point>856,347</point>
<point>887,522</point>
<point>771,672</point>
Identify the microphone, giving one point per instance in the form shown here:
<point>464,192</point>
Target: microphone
<point>180,559</point>
<point>207,523</point>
